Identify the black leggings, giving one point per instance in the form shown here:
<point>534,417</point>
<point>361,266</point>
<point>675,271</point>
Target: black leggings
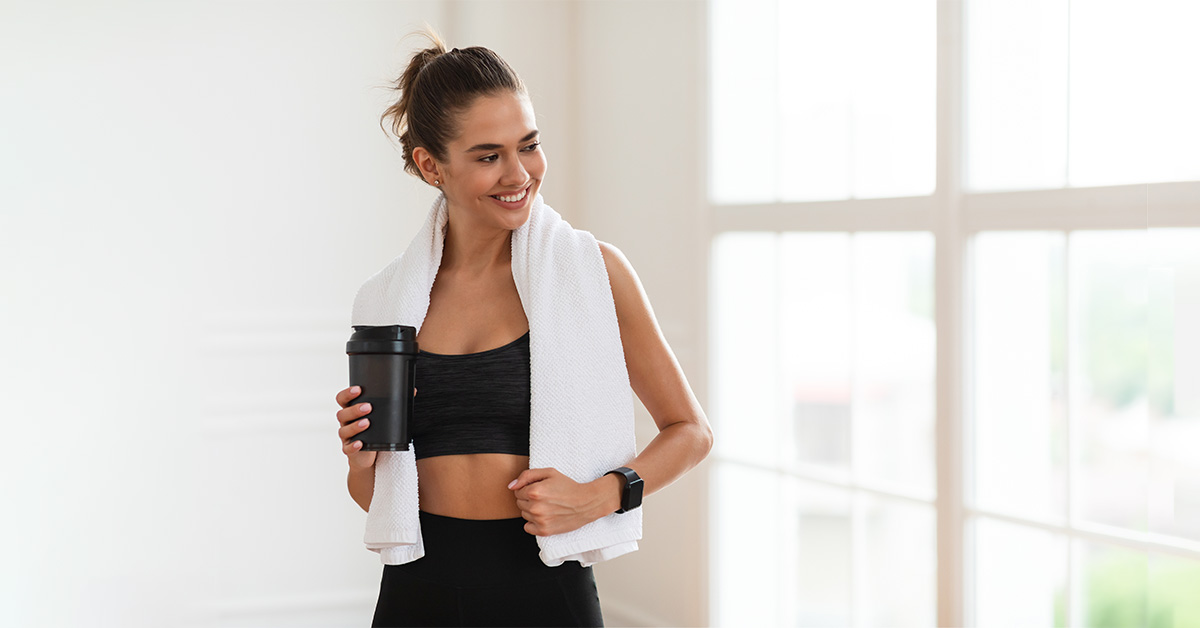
<point>484,572</point>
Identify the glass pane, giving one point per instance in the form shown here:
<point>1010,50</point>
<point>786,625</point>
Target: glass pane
<point>823,558</point>
<point>1016,94</point>
<point>857,98</point>
<point>748,575</point>
<point>1109,340</point>
<point>744,101</point>
<point>857,356</point>
<point>846,89</point>
<point>1017,373</point>
<point>1174,367</point>
<point>816,336</point>
<point>1020,575</point>
<point>898,576</point>
<point>1133,106</point>
<point>1113,587</point>
<point>745,387</point>
<point>1051,102</point>
<point>893,352</point>
<point>1173,586</point>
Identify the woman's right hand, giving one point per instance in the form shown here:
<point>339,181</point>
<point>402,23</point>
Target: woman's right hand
<point>351,421</point>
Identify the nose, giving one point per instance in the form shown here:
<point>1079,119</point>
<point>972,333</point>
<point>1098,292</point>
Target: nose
<point>515,174</point>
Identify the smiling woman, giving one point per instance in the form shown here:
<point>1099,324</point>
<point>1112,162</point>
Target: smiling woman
<point>505,171</point>
<point>482,553</point>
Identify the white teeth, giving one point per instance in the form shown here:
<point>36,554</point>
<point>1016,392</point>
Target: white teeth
<point>513,199</point>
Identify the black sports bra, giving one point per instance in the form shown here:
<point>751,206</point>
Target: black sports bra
<point>472,403</point>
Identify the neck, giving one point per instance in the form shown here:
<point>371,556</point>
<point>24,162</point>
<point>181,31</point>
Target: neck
<point>473,249</point>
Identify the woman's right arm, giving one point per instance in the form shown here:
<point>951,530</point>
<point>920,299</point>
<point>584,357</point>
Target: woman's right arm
<point>361,479</point>
<point>362,486</point>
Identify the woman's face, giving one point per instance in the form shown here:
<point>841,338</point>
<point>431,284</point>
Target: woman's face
<point>496,156</point>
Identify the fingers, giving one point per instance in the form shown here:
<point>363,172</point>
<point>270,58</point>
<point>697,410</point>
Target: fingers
<point>350,417</point>
<point>352,428</point>
<point>529,476</point>
<point>346,395</point>
<point>353,413</point>
<point>531,526</point>
<point>351,447</point>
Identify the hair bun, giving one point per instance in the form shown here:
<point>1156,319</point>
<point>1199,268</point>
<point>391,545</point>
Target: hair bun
<point>426,114</point>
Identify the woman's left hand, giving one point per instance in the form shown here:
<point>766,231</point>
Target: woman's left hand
<point>553,503</point>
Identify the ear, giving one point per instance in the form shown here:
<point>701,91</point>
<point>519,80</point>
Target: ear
<point>430,169</point>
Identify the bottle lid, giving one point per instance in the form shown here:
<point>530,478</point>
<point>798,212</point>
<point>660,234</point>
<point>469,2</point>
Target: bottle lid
<point>383,339</point>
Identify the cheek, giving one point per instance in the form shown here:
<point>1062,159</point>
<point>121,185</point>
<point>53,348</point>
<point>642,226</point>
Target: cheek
<point>536,165</point>
<point>481,182</point>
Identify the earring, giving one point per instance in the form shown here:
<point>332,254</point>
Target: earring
<point>436,182</point>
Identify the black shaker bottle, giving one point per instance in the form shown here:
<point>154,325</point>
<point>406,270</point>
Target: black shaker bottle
<point>383,362</point>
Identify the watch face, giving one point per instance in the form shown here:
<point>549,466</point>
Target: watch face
<point>634,492</point>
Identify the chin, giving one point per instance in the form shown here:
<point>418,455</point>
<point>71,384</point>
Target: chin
<point>524,217</point>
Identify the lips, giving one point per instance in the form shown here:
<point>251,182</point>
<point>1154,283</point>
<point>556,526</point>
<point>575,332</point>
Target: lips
<point>515,197</point>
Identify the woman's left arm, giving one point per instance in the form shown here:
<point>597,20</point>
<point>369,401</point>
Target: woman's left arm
<point>553,503</point>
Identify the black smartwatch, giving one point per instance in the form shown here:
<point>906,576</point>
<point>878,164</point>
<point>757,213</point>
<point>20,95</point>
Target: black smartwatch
<point>631,495</point>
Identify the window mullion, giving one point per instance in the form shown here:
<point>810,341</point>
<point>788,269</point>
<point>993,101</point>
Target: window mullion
<point>1071,609</point>
<point>949,317</point>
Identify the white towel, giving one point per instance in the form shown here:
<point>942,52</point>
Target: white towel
<point>581,404</point>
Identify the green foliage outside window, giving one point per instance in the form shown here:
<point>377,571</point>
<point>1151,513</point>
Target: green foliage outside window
<point>1129,350</point>
<point>1117,595</point>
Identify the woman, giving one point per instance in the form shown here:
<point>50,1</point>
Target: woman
<point>467,127</point>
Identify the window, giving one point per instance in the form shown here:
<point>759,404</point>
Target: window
<point>817,100</point>
<point>853,408</point>
<point>1091,93</point>
<point>949,360</point>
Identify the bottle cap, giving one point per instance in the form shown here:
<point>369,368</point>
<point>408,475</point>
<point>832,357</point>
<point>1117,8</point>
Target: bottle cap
<point>383,339</point>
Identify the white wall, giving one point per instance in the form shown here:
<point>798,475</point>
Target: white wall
<point>185,195</point>
<point>192,191</point>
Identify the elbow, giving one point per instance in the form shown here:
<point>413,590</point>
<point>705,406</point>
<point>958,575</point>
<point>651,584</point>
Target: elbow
<point>706,438</point>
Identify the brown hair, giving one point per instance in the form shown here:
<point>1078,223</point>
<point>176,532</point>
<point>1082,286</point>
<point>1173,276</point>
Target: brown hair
<point>438,85</point>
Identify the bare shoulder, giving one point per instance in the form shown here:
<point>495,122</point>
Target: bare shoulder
<point>612,256</point>
<point>640,333</point>
<point>621,276</point>
<point>654,373</point>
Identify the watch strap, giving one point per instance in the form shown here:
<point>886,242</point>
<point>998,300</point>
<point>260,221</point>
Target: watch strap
<point>631,494</point>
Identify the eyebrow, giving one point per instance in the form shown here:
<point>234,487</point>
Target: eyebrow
<point>478,147</point>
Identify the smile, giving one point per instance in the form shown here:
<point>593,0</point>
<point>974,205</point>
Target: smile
<point>514,198</point>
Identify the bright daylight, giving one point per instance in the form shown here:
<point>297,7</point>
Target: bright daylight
<point>730,313</point>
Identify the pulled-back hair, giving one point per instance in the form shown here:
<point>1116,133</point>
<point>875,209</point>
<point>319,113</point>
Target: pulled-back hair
<point>436,87</point>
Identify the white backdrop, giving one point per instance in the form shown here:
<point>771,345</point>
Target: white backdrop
<point>191,192</point>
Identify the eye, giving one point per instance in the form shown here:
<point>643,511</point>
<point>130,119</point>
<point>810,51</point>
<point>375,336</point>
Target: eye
<point>489,158</point>
<point>533,146</point>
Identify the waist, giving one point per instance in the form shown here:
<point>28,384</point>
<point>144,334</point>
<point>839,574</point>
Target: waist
<point>473,486</point>
<point>479,552</point>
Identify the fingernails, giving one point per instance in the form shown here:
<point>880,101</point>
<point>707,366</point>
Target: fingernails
<point>362,423</point>
<point>355,389</point>
<point>512,484</point>
<point>366,407</point>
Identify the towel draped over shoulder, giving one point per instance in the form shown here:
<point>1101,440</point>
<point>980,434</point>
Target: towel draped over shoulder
<point>581,403</point>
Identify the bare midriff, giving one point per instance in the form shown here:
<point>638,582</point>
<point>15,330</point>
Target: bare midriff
<point>468,316</point>
<point>470,486</point>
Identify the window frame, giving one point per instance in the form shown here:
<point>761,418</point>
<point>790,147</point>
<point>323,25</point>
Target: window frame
<point>953,215</point>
